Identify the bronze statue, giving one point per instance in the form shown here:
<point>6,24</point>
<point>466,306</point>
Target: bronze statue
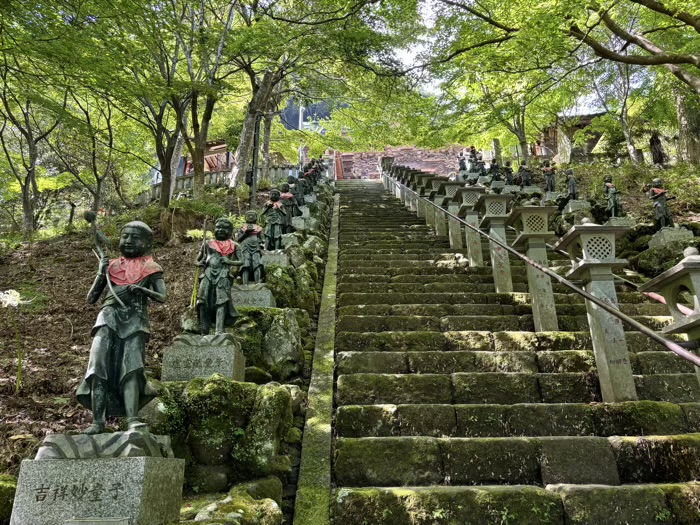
<point>659,196</point>
<point>613,196</point>
<point>115,383</point>
<point>508,172</point>
<point>250,249</point>
<point>549,173</point>
<point>290,207</point>
<point>494,171</point>
<point>276,217</point>
<point>295,190</point>
<point>572,184</point>
<point>217,257</point>
<point>524,174</point>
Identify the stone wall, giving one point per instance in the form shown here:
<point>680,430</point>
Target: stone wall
<point>365,165</point>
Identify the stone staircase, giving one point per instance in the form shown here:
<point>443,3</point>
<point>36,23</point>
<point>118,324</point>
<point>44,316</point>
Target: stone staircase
<point>450,409</point>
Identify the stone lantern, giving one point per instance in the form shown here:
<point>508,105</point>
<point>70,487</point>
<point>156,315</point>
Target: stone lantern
<point>446,189</point>
<point>494,213</point>
<point>424,189</point>
<point>682,278</point>
<point>591,249</point>
<point>531,224</point>
<point>464,200</point>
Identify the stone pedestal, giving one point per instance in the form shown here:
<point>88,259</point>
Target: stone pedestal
<point>529,190</point>
<point>252,295</point>
<point>302,224</point>
<point>626,222</point>
<point>275,257</point>
<point>484,180</point>
<point>494,212</point>
<point>473,239</point>
<point>512,188</point>
<point>305,212</point>
<point>420,207</point>
<point>193,356</point>
<point>430,215</point>
<point>666,235</point>
<point>531,223</point>
<point>551,196</point>
<point>290,239</point>
<point>310,199</point>
<point>577,205</point>
<point>136,490</point>
<point>455,228</point>
<point>595,245</point>
<point>497,186</point>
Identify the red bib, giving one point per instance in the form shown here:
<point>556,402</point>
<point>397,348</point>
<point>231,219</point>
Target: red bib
<point>225,248</point>
<point>124,271</point>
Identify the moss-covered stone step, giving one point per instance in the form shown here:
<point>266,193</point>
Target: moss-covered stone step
<point>677,388</point>
<point>519,505</point>
<point>454,323</point>
<point>353,257</point>
<point>400,252</point>
<point>388,245</point>
<point>438,287</point>
<point>631,418</point>
<point>480,340</point>
<point>466,388</point>
<point>422,268</point>
<point>397,461</point>
<point>427,298</point>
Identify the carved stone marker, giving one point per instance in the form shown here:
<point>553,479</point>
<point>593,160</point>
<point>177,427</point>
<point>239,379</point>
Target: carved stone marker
<point>290,239</point>
<point>278,258</point>
<point>193,356</point>
<point>595,246</point>
<point>124,477</point>
<point>252,295</point>
<point>666,235</point>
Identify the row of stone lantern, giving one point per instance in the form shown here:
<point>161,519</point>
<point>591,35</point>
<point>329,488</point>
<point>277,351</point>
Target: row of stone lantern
<point>591,249</point>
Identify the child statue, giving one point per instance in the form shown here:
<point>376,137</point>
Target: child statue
<point>659,196</point>
<point>290,207</point>
<point>295,190</point>
<point>276,217</point>
<point>572,185</point>
<point>115,383</point>
<point>508,172</point>
<point>613,196</point>
<point>524,174</point>
<point>549,173</point>
<point>494,171</point>
<point>214,293</point>
<point>250,249</point>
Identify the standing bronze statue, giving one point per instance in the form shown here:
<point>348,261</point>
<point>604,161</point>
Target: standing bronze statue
<point>250,249</point>
<point>572,184</point>
<point>217,257</point>
<point>659,196</point>
<point>550,176</point>
<point>290,207</point>
<point>115,383</point>
<point>295,190</point>
<point>524,174</point>
<point>613,195</point>
<point>276,217</point>
<point>508,172</point>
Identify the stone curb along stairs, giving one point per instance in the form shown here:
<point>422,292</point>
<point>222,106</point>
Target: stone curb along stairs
<point>451,409</point>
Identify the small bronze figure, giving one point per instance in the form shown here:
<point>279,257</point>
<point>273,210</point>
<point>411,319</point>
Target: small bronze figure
<point>494,171</point>
<point>613,196</point>
<point>290,207</point>
<point>572,184</point>
<point>295,190</point>
<point>115,383</point>
<point>659,196</point>
<point>250,249</point>
<point>524,174</point>
<point>214,294</point>
<point>549,173</point>
<point>508,172</point>
<point>276,217</point>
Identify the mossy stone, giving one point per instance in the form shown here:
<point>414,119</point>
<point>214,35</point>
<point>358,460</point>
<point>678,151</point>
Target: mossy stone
<point>206,479</point>
<point>488,461</point>
<point>280,280</point>
<point>692,416</point>
<point>427,420</point>
<point>389,341</point>
<point>577,460</point>
<point>481,420</point>
<point>538,419</point>
<point>293,436</point>
<point>469,341</point>
<point>598,504</point>
<point>634,418</point>
<point>569,388</point>
<point>564,340</point>
<point>495,388</point>
<point>560,361</point>
<point>358,389</point>
<point>8,487</point>
<point>683,500</point>
<point>252,511</point>
<point>367,421</point>
<point>388,461</point>
<point>440,362</point>
<point>515,341</point>
<point>675,388</point>
<point>657,459</point>
<point>372,362</point>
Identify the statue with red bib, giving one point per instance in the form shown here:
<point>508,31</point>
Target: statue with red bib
<point>115,383</point>
<point>217,257</point>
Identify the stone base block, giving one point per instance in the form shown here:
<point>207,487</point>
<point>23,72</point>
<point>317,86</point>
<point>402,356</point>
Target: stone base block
<point>528,190</point>
<point>290,239</point>
<point>551,196</point>
<point>305,212</point>
<point>497,185</point>
<point>276,257</point>
<point>139,491</point>
<point>577,205</point>
<point>484,180</point>
<point>301,224</point>
<point>666,235</point>
<point>193,356</point>
<point>310,199</point>
<point>512,188</point>
<point>621,221</point>
<point>253,295</point>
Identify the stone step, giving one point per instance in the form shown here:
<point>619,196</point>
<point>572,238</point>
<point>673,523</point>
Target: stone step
<point>458,323</point>
<point>475,340</point>
<point>630,418</point>
<point>411,283</point>
<point>397,461</point>
<point>450,309</point>
<point>502,388</point>
<point>518,505</point>
<point>545,361</point>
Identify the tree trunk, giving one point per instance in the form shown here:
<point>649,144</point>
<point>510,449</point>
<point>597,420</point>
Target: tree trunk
<point>27,210</point>
<point>688,111</point>
<point>169,154</point>
<point>258,103</point>
<point>97,196</point>
<point>627,132</point>
<point>267,133</point>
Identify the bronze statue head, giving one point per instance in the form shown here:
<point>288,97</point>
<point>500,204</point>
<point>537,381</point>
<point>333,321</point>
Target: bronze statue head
<point>135,240</point>
<point>251,217</point>
<point>223,229</point>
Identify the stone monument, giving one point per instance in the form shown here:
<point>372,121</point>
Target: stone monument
<point>193,356</point>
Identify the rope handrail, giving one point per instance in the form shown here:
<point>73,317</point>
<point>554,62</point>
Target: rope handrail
<point>668,344</point>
